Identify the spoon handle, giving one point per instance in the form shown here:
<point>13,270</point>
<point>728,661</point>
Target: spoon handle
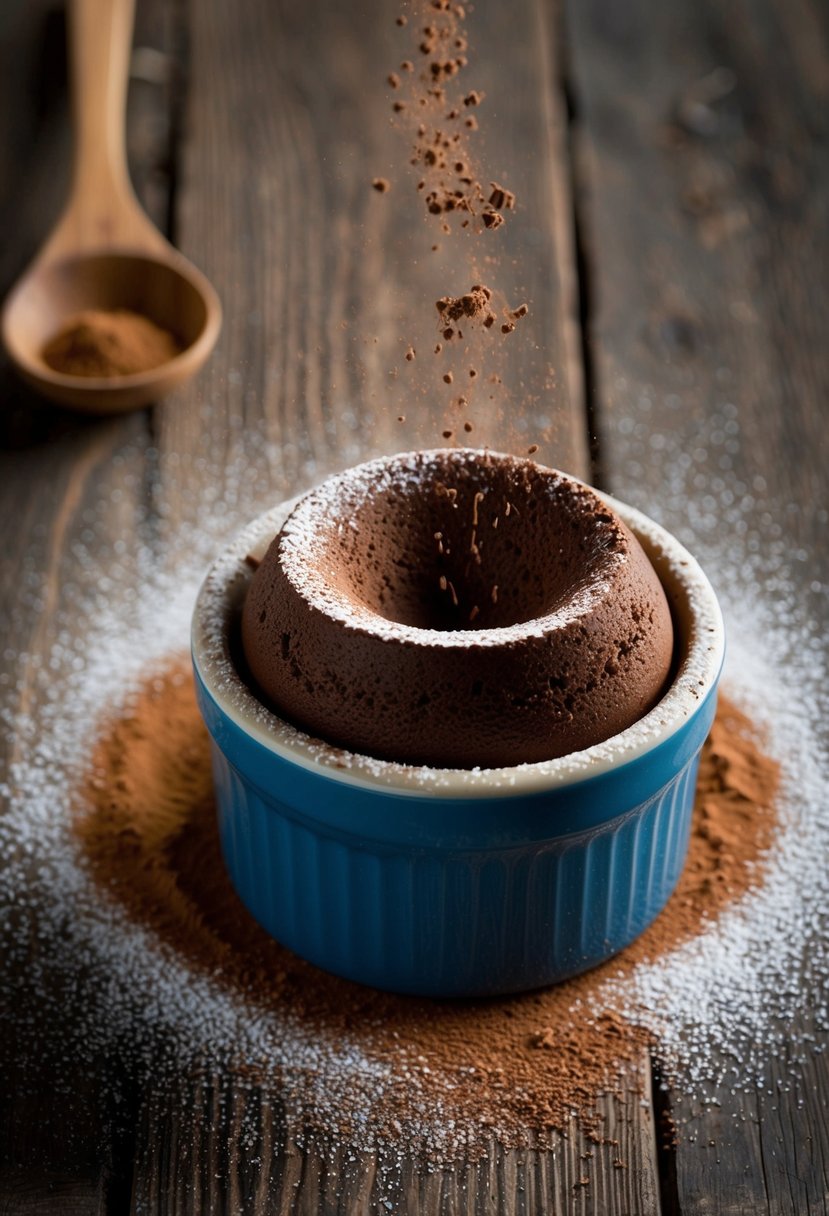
<point>102,210</point>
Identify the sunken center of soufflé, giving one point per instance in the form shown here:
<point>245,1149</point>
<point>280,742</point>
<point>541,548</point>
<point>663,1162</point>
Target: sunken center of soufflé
<point>457,609</point>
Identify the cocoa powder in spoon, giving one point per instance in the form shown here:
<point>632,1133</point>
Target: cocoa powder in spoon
<point>100,343</point>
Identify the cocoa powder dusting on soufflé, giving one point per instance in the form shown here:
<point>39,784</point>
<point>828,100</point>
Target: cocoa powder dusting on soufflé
<point>372,624</point>
<point>513,1067</point>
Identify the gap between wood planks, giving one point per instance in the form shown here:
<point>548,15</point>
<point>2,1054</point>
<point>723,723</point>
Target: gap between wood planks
<point>582,255</point>
<point>663,1123</point>
<point>163,25</point>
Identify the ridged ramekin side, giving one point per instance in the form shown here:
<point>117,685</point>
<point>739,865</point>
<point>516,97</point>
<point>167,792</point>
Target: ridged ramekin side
<point>471,922</point>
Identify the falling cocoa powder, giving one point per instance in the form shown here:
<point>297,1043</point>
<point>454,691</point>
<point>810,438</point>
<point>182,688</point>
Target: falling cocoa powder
<point>146,822</point>
<point>474,306</point>
<point>439,109</point>
<point>435,110</point>
<point>101,344</point>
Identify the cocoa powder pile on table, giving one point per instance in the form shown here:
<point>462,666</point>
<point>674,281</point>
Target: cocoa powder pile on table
<point>515,1065</point>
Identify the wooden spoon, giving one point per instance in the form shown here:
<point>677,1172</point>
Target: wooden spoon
<point>104,252</point>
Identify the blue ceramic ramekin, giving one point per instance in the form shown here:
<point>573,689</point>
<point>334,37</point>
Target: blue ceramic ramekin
<point>455,882</point>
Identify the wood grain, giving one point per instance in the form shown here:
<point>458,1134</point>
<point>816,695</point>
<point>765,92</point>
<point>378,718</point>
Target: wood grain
<point>704,192</point>
<point>63,481</point>
<point>224,1150</point>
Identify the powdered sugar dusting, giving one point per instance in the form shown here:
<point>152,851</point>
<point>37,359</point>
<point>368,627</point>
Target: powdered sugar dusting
<point>759,979</point>
<point>728,995</point>
<point>99,977</point>
<point>766,960</point>
<point>303,541</point>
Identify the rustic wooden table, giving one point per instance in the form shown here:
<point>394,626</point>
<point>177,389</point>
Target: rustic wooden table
<point>671,162</point>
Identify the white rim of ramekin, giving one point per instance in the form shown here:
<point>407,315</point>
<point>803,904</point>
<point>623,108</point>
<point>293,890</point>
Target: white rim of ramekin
<point>694,680</point>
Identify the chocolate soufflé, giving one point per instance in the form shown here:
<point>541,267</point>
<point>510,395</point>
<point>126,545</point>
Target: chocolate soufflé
<point>457,608</point>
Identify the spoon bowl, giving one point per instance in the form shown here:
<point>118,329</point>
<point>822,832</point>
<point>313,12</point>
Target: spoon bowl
<point>105,254</point>
<point>170,292</point>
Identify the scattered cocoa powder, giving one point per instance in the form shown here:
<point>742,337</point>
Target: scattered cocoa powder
<point>146,822</point>
<point>450,182</point>
<point>117,343</point>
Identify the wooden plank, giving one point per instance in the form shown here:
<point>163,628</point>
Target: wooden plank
<point>215,1146</point>
<point>34,169</point>
<point>51,1158</point>
<point>54,1157</point>
<point>34,158</point>
<point>286,126</point>
<point>705,249</point>
<point>35,165</point>
<point>70,489</point>
<point>703,187</point>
